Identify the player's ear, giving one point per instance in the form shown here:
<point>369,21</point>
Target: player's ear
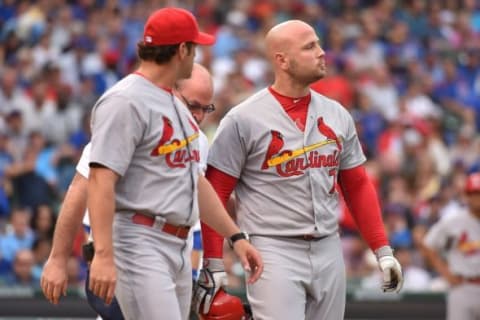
<point>281,60</point>
<point>182,51</point>
<point>185,49</point>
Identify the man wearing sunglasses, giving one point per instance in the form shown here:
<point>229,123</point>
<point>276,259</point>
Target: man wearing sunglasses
<point>196,93</point>
<point>198,111</point>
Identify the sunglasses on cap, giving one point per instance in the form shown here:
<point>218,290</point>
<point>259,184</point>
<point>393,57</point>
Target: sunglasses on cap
<point>196,106</point>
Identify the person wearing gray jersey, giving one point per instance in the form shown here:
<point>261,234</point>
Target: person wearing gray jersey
<point>282,150</point>
<point>197,93</point>
<point>452,245</point>
<point>144,188</point>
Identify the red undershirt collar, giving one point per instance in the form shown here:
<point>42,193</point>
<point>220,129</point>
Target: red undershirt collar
<point>296,108</point>
<point>289,103</point>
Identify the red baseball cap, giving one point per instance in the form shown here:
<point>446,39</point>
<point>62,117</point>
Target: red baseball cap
<point>473,183</point>
<point>169,26</point>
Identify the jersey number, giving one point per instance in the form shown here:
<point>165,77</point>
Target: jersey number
<point>333,173</point>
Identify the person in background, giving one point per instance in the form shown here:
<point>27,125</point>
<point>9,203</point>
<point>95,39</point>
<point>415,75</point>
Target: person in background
<point>457,238</point>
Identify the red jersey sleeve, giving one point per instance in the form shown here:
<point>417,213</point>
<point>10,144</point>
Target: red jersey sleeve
<point>223,184</point>
<point>361,198</point>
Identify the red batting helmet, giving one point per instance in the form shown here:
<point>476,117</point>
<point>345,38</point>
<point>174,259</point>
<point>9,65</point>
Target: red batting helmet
<point>473,183</point>
<point>225,307</point>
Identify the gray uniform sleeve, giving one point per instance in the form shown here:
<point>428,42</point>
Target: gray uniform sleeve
<point>352,154</point>
<point>117,128</point>
<point>228,152</point>
<point>436,237</point>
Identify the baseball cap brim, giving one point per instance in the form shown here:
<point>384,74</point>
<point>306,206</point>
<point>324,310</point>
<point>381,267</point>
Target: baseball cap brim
<point>204,39</point>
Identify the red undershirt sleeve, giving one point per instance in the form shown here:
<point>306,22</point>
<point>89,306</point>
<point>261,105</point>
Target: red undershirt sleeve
<point>224,185</point>
<point>361,198</point>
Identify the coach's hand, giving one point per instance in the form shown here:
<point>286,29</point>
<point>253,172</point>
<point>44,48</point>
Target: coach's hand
<point>392,271</point>
<point>103,277</point>
<point>212,277</point>
<point>54,279</point>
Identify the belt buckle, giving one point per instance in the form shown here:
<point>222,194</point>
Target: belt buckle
<point>159,222</point>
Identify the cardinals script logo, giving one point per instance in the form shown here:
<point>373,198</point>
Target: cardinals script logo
<point>294,162</point>
<point>467,246</point>
<point>175,151</point>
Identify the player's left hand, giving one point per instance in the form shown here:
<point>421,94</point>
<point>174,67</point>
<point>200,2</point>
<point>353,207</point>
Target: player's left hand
<point>392,270</point>
<point>392,274</point>
<point>250,259</point>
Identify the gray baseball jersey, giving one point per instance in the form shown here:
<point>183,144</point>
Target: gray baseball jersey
<point>287,187</point>
<point>84,170</point>
<point>137,134</point>
<point>286,177</point>
<point>459,237</point>
<point>150,139</point>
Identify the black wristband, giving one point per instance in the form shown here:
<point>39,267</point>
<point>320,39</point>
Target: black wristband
<point>236,237</point>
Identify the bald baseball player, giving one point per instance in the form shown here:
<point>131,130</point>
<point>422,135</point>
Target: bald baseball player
<point>283,151</point>
<point>197,93</point>
<point>457,238</point>
<point>144,189</point>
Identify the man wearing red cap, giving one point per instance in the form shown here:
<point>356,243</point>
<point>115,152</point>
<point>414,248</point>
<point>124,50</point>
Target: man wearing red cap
<point>458,237</point>
<point>144,190</point>
<point>197,94</point>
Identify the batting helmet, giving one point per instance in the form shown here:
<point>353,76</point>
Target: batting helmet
<point>473,183</point>
<point>225,307</point>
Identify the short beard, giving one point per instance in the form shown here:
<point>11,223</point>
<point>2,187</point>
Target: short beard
<point>305,80</point>
<point>186,73</point>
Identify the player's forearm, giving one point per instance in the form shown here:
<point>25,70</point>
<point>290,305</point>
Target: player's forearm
<point>101,207</point>
<point>437,262</point>
<point>362,201</point>
<point>70,218</point>
<point>223,184</point>
<point>212,211</point>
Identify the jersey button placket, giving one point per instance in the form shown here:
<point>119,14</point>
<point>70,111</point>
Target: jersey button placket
<point>311,176</point>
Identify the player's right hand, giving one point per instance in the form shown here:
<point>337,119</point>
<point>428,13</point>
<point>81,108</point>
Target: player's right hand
<point>212,277</point>
<point>103,277</point>
<point>54,279</point>
<point>250,258</point>
<point>454,280</point>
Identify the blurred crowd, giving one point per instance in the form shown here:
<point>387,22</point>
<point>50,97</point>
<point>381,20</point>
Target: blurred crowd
<point>408,71</point>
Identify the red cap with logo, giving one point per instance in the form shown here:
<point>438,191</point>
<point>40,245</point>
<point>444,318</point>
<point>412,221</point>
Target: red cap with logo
<point>169,26</point>
<point>473,183</point>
